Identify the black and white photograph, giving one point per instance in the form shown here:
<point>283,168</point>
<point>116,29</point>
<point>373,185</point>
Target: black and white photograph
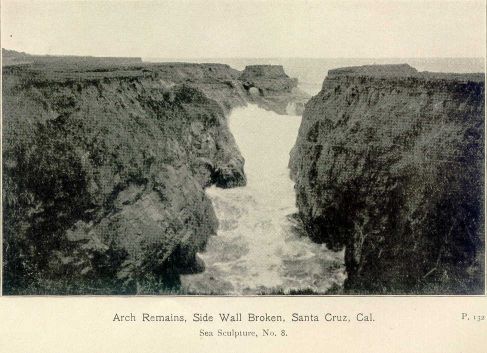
<point>243,148</point>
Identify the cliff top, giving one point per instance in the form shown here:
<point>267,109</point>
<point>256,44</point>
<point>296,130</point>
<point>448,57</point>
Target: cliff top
<point>12,57</point>
<point>267,71</point>
<point>375,70</point>
<point>61,68</point>
<point>402,71</point>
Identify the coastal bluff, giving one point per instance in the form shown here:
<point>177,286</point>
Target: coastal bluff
<point>105,162</point>
<point>271,89</point>
<point>389,163</point>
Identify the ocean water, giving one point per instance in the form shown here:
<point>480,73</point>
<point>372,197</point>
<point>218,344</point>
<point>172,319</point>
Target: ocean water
<point>312,72</point>
<point>259,248</point>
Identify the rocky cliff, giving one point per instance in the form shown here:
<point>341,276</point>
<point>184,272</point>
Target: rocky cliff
<point>270,88</point>
<point>104,170</point>
<point>389,164</point>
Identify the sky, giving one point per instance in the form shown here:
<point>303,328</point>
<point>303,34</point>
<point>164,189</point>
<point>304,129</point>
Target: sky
<point>250,29</point>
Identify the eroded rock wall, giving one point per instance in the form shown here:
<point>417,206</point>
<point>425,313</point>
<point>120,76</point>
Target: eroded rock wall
<point>103,181</point>
<point>270,88</point>
<point>389,164</point>
<point>105,163</point>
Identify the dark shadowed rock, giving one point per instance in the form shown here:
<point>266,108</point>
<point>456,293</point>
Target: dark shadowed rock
<point>389,164</point>
<point>105,163</point>
<point>103,182</point>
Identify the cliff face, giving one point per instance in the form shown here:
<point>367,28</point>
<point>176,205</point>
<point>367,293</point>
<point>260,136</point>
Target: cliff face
<point>270,88</point>
<point>105,169</point>
<point>389,164</point>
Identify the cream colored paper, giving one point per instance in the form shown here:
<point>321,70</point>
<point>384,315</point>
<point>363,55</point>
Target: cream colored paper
<point>247,29</point>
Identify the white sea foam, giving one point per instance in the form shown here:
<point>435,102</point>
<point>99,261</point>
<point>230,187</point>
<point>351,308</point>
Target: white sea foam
<point>257,249</point>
